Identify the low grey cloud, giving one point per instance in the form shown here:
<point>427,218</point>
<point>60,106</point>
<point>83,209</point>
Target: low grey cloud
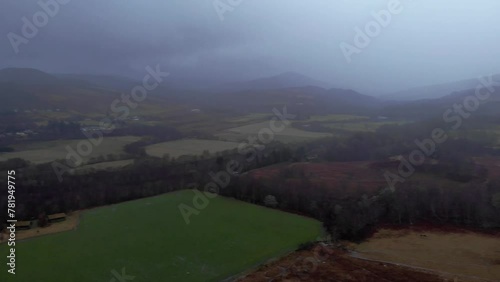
<point>427,43</point>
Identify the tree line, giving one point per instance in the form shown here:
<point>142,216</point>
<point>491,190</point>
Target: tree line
<point>457,191</point>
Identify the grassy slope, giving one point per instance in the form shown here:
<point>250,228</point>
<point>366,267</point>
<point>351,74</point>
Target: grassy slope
<point>151,240</point>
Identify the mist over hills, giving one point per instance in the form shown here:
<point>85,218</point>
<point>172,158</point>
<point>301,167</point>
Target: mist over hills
<point>102,81</point>
<point>26,76</point>
<point>31,89</point>
<point>304,100</point>
<point>27,89</point>
<point>283,80</point>
<point>436,90</point>
<point>283,140</point>
<point>286,88</point>
<point>427,108</point>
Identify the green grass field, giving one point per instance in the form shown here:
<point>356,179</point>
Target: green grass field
<point>47,151</point>
<point>288,135</point>
<point>150,239</point>
<point>192,147</point>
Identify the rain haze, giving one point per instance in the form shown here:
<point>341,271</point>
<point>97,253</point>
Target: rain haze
<point>428,42</point>
<point>249,140</point>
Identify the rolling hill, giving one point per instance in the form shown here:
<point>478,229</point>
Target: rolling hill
<point>26,76</point>
<point>423,109</point>
<point>435,91</point>
<point>28,89</point>
<point>31,89</point>
<point>304,100</point>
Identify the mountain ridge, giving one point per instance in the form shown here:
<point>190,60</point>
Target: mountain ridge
<point>282,80</point>
<point>435,91</point>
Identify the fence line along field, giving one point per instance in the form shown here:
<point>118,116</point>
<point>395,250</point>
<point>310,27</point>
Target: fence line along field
<point>151,241</point>
<point>192,147</point>
<point>48,151</point>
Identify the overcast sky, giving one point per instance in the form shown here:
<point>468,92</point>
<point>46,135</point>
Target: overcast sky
<point>428,42</point>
